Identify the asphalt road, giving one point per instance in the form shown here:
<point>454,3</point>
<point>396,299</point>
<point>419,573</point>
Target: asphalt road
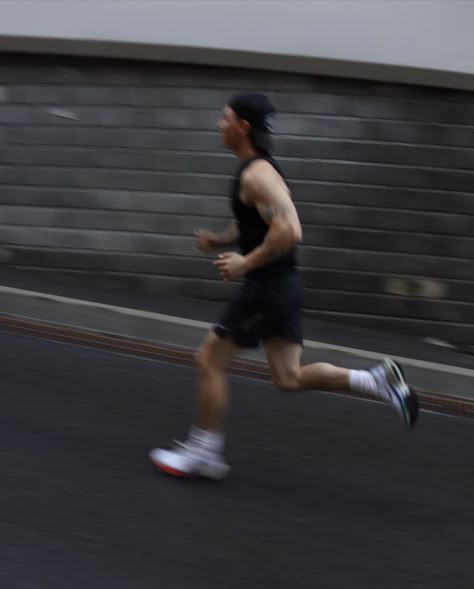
<point>326,491</point>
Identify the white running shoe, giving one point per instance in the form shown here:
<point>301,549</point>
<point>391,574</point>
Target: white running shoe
<point>189,461</point>
<point>393,388</point>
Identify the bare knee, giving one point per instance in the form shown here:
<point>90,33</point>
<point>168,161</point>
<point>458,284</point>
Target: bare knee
<point>207,362</point>
<point>202,360</point>
<point>287,381</point>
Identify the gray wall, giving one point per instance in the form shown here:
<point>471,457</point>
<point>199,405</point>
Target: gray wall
<point>107,167</point>
<point>420,41</point>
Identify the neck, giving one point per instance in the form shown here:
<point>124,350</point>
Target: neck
<point>245,152</point>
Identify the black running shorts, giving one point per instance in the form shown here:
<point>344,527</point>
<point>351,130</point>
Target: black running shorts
<point>264,308</point>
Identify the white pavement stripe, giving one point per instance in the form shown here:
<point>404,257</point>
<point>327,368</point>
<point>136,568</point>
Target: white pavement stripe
<point>310,344</point>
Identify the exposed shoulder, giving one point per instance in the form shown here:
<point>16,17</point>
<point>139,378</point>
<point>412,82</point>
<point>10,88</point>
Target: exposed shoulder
<point>260,179</point>
<point>257,171</point>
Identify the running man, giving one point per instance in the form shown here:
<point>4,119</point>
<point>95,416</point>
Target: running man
<point>267,308</point>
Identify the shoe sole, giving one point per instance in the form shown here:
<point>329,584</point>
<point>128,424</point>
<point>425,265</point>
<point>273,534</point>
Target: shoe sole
<point>169,470</point>
<point>409,401</point>
<point>208,473</point>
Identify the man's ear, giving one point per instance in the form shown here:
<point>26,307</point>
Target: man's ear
<point>244,127</point>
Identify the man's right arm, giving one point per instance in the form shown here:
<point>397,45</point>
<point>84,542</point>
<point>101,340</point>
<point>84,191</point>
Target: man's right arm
<point>208,240</point>
<point>229,236</point>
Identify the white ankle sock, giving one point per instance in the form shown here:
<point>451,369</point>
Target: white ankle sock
<point>361,381</point>
<point>211,440</point>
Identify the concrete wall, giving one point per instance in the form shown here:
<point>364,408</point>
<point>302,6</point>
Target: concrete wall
<point>107,167</point>
<point>416,41</point>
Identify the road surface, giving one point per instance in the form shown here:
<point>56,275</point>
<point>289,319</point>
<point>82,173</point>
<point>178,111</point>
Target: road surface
<point>326,491</point>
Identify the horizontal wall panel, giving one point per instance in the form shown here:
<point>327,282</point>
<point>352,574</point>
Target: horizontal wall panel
<point>107,168</point>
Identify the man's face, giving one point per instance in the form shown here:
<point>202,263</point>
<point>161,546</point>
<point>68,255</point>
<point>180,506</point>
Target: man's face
<point>232,128</point>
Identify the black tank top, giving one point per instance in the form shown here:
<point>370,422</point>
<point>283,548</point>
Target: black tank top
<point>253,228</point>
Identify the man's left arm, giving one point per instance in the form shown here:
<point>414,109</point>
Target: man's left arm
<point>264,189</point>
<point>270,195</point>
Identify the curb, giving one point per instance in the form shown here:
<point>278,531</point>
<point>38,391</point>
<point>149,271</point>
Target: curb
<point>125,313</point>
<point>241,367</point>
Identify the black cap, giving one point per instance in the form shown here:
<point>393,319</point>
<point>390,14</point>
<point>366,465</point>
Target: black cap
<point>259,112</point>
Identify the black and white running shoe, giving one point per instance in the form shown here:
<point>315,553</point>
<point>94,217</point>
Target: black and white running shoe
<point>392,387</point>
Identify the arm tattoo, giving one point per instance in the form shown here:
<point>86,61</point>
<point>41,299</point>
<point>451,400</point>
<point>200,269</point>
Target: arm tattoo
<point>269,213</point>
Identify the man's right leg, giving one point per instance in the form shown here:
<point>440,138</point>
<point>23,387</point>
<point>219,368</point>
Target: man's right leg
<point>213,359</point>
<point>202,452</point>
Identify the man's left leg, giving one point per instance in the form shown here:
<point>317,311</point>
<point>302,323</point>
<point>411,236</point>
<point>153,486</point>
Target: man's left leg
<point>384,381</point>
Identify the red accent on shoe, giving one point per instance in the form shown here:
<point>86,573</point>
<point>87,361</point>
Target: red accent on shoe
<point>172,471</point>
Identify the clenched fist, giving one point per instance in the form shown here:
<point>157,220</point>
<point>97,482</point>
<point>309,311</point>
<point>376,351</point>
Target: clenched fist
<point>206,241</point>
<point>230,265</point>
